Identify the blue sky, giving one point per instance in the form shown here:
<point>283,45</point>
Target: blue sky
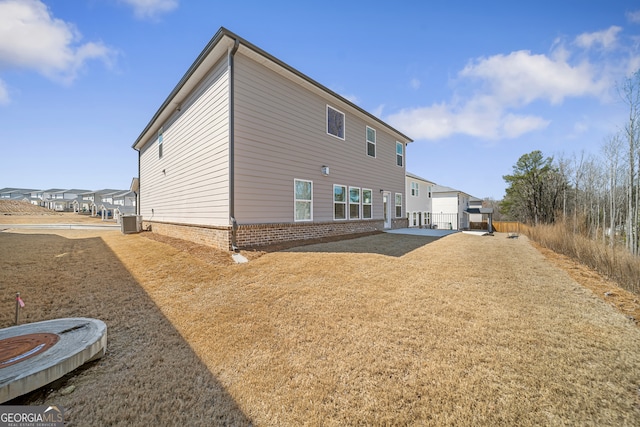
<point>475,84</point>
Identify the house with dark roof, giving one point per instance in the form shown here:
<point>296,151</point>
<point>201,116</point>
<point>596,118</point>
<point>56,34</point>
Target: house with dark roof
<point>248,151</point>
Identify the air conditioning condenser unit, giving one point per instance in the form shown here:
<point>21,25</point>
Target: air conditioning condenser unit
<point>131,224</point>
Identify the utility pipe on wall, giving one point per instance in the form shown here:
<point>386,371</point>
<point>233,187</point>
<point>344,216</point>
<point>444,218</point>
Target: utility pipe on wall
<point>232,216</point>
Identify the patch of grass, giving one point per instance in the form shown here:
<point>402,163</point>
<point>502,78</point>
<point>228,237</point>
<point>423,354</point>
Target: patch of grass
<point>464,330</point>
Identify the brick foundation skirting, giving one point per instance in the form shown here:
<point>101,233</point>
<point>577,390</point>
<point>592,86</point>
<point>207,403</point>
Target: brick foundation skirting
<point>256,235</point>
<point>219,237</point>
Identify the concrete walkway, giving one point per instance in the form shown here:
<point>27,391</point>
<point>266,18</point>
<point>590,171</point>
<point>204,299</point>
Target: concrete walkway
<point>62,226</point>
<point>421,232</point>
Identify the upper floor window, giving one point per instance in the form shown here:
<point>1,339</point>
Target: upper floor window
<point>335,122</point>
<point>415,188</point>
<point>160,138</point>
<point>399,153</point>
<point>371,142</point>
<point>303,195</point>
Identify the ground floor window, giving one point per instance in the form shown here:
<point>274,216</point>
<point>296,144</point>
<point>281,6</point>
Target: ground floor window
<point>303,196</point>
<point>398,205</point>
<point>354,203</point>
<point>339,202</point>
<point>367,203</point>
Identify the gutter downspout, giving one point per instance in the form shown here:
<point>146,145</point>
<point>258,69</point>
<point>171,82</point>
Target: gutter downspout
<point>232,217</point>
<point>138,210</point>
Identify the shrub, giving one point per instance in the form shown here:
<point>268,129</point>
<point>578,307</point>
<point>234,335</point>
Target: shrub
<point>614,262</point>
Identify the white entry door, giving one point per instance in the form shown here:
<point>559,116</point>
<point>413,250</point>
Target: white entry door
<point>386,203</point>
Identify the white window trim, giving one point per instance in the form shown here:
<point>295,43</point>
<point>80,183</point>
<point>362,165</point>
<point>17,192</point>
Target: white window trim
<point>359,202</point>
<point>395,205</point>
<point>344,123</point>
<point>415,189</point>
<point>366,204</point>
<point>295,200</point>
<point>345,203</point>
<point>375,137</point>
<point>401,155</point>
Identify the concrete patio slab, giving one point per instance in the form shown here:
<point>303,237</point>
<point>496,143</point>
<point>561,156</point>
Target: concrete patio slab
<point>422,232</point>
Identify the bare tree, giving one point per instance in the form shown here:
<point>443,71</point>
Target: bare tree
<point>611,155</point>
<point>629,92</point>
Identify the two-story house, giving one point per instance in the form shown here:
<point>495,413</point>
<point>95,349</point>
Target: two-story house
<point>248,151</point>
<point>419,205</point>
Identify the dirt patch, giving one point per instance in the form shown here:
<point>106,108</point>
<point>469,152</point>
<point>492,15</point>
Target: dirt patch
<point>12,212</point>
<point>14,207</point>
<point>463,330</point>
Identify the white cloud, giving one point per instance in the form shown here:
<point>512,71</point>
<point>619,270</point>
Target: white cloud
<point>350,97</point>
<point>415,83</point>
<point>31,38</point>
<point>432,122</point>
<point>494,96</point>
<point>476,118</point>
<point>144,9</point>
<point>4,94</point>
<point>514,125</point>
<point>634,16</point>
<point>378,111</point>
<point>521,78</point>
<point>606,38</point>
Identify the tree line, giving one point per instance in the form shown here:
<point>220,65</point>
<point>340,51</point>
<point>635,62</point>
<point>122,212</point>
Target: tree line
<point>598,194</point>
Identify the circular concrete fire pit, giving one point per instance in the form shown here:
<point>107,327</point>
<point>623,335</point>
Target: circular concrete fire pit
<point>16,349</point>
<point>35,354</point>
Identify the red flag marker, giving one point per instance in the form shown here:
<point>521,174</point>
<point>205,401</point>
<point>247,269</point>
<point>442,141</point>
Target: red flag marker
<point>20,302</point>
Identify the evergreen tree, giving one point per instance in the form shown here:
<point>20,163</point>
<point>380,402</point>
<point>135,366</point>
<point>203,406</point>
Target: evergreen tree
<point>535,190</point>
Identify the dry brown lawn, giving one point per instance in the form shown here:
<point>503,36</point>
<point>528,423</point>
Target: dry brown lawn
<point>381,330</point>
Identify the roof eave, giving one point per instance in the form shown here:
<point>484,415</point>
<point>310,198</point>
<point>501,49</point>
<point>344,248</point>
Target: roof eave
<point>210,54</point>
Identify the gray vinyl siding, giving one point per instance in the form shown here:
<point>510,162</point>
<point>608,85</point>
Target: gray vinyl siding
<point>280,135</point>
<point>194,187</point>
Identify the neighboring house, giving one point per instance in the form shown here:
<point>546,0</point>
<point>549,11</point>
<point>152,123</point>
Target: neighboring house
<point>122,202</point>
<point>480,217</point>
<point>107,202</point>
<point>247,151</point>
<point>36,197</point>
<point>53,199</point>
<point>418,195</point>
<point>475,216</point>
<point>90,201</point>
<point>124,198</point>
<point>449,208</point>
<point>62,200</point>
<point>23,194</point>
